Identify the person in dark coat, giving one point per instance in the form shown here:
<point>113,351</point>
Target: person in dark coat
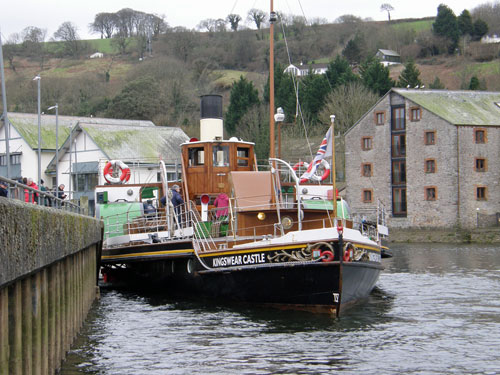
<point>177,201</point>
<point>4,192</point>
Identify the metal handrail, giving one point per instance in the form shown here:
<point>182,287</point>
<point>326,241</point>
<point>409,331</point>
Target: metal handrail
<point>17,190</point>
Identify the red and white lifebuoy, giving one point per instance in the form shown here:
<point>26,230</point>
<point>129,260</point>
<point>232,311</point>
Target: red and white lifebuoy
<point>300,164</point>
<point>113,166</point>
<point>316,177</point>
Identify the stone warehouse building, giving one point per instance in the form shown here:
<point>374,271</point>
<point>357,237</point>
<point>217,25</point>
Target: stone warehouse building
<point>431,157</point>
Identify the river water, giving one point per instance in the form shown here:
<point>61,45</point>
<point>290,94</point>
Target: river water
<point>436,310</point>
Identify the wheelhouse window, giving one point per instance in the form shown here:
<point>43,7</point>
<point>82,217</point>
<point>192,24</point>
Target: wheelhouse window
<point>480,136</point>
<point>380,118</point>
<point>242,156</point>
<point>366,143</point>
<point>196,156</point>
<point>220,156</point>
<point>366,169</point>
<point>367,196</point>
<point>398,145</point>
<point>430,193</point>
<point>415,114</point>
<point>481,193</point>
<point>14,159</point>
<point>481,165</point>
<point>430,138</point>
<point>430,166</point>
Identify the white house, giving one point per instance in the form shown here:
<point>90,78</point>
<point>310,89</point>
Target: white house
<point>97,55</point>
<point>23,141</point>
<point>303,70</point>
<point>388,57</point>
<point>490,39</point>
<point>92,144</point>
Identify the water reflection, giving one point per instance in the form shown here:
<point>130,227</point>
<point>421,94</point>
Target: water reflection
<point>436,310</point>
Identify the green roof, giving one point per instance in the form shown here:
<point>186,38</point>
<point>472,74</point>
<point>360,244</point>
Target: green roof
<point>27,126</point>
<point>136,142</point>
<point>478,108</point>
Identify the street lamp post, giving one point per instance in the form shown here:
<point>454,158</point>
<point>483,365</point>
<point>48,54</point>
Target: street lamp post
<point>38,78</point>
<point>56,107</point>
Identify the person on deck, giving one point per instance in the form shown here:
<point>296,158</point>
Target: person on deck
<point>177,201</point>
<point>221,203</point>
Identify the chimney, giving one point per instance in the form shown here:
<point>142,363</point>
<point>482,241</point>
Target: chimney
<point>211,124</point>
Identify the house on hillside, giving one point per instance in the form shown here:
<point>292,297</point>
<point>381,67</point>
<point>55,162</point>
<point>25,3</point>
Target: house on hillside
<point>490,39</point>
<point>91,144</point>
<point>388,57</point>
<point>303,70</point>
<point>430,156</point>
<point>97,55</point>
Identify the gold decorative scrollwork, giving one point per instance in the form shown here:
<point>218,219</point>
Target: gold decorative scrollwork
<point>357,254</point>
<point>300,255</point>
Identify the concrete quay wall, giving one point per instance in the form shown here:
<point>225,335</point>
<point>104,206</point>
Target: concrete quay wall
<point>48,278</point>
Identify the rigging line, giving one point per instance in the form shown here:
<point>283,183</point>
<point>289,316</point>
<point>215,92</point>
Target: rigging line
<point>234,6</point>
<point>296,88</point>
<point>300,5</point>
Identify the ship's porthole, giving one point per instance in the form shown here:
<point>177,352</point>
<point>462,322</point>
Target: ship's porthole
<point>190,266</point>
<point>287,222</point>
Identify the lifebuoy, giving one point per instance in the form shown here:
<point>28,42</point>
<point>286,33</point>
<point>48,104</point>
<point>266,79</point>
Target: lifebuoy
<point>326,172</point>
<point>113,165</point>
<point>348,253</point>
<point>315,177</point>
<point>300,164</point>
<point>327,256</point>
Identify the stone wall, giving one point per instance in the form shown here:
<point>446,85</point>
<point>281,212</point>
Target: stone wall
<point>32,237</point>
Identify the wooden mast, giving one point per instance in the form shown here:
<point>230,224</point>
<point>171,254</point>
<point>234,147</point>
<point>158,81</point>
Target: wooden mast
<point>334,174</point>
<point>272,18</point>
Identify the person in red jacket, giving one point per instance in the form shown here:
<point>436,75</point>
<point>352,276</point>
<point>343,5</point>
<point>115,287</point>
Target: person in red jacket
<point>29,193</point>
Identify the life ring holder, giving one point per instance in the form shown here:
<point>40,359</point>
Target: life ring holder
<point>113,165</point>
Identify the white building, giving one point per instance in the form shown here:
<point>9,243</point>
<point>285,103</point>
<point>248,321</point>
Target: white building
<point>91,145</point>
<point>303,70</point>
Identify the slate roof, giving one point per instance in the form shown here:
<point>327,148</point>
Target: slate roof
<point>389,52</point>
<point>136,142</point>
<point>27,126</point>
<point>478,108</point>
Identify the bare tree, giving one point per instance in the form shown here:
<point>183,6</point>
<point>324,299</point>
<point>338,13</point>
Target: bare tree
<point>234,20</point>
<point>104,23</point>
<point>67,32</point>
<point>386,7</point>
<point>212,25</point>
<point>257,16</point>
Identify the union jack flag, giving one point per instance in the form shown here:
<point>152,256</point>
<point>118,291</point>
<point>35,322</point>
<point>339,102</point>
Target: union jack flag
<point>325,150</point>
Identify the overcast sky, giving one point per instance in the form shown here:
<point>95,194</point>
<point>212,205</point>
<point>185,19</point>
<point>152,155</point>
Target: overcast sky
<point>15,15</point>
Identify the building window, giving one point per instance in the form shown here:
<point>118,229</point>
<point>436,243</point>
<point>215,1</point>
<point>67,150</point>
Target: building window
<point>430,193</point>
<point>399,145</point>
<point>430,166</point>
<point>430,138</point>
<point>481,165</point>
<point>399,201</point>
<point>415,114</point>
<point>367,196</point>
<point>398,119</point>
<point>398,172</point>
<point>480,136</point>
<point>366,143</point>
<point>481,193</point>
<point>380,118</point>
<point>366,169</point>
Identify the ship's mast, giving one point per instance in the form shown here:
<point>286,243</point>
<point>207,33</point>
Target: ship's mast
<point>272,19</point>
